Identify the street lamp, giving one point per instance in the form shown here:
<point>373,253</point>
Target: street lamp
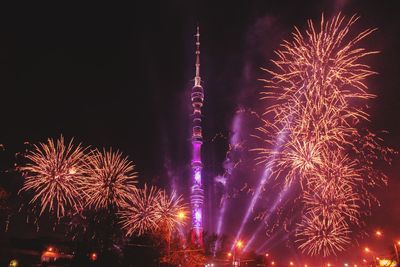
<point>367,250</point>
<point>238,245</point>
<point>379,233</point>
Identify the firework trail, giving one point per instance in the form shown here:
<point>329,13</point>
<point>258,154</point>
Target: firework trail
<point>53,174</point>
<point>110,179</point>
<point>319,98</point>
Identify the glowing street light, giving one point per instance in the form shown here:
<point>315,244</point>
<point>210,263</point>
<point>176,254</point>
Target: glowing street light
<point>93,256</point>
<point>378,233</point>
<point>272,263</point>
<point>235,258</point>
<point>291,263</point>
<point>229,254</point>
<point>367,250</point>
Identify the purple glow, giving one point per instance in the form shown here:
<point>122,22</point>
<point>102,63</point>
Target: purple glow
<point>197,193</point>
<point>281,196</point>
<point>196,151</point>
<point>264,178</point>
<point>234,141</point>
<point>275,243</point>
<point>197,177</point>
<point>197,216</point>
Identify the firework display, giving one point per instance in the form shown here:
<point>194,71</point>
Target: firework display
<point>110,179</point>
<point>151,209</point>
<point>53,174</point>
<point>319,98</point>
<point>172,210</point>
<point>142,213</point>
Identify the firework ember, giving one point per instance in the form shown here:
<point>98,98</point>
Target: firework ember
<point>319,95</point>
<point>110,179</point>
<point>53,174</point>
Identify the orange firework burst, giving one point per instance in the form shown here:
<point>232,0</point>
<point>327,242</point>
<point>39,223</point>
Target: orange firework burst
<point>151,209</point>
<point>172,211</point>
<point>319,98</point>
<point>53,174</point>
<point>320,235</point>
<point>110,179</point>
<point>141,214</point>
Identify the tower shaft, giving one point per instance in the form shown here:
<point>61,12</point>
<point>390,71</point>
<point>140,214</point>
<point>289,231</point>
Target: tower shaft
<point>197,192</point>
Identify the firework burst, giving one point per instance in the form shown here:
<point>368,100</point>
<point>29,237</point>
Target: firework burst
<point>320,235</point>
<point>142,213</point>
<point>110,180</point>
<point>152,210</point>
<point>319,98</point>
<point>53,174</point>
<point>172,211</point>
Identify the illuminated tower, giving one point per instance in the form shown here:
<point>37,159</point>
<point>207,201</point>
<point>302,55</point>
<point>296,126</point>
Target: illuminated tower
<point>197,193</point>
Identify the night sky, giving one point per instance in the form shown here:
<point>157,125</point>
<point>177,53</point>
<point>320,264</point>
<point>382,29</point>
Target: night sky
<point>120,76</point>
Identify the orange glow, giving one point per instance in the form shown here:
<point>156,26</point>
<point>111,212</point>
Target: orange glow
<point>181,215</point>
<point>239,244</point>
<point>307,101</point>
<point>291,263</point>
<point>50,249</point>
<point>378,233</point>
<point>266,255</point>
<point>229,254</point>
<point>273,263</point>
<point>367,250</point>
<point>93,256</point>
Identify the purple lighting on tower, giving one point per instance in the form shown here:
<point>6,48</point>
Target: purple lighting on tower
<point>197,193</point>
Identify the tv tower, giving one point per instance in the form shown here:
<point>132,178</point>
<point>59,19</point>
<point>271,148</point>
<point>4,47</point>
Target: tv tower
<point>197,192</point>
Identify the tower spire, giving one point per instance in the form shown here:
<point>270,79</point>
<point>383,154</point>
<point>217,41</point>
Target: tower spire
<point>196,190</point>
<point>197,79</point>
